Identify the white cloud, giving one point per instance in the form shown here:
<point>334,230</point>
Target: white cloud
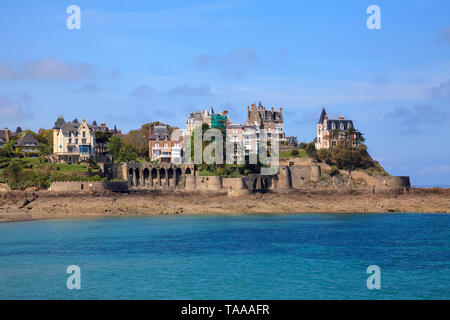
<point>436,169</point>
<point>236,63</point>
<point>143,91</point>
<point>441,91</point>
<point>12,110</point>
<point>46,69</point>
<point>190,91</point>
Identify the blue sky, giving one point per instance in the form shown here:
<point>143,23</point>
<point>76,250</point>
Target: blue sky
<point>138,61</point>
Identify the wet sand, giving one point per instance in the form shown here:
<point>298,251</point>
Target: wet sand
<point>22,206</point>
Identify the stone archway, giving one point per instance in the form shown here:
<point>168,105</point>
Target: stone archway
<point>178,175</point>
<point>137,177</point>
<point>255,183</point>
<point>188,171</point>
<point>162,176</point>
<point>130,176</point>
<point>170,177</point>
<point>146,180</point>
<point>154,176</point>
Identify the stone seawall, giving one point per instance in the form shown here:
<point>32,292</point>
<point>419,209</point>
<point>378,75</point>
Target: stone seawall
<point>209,182</point>
<point>114,186</point>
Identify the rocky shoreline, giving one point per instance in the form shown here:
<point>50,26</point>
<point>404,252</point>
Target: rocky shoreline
<point>22,206</point>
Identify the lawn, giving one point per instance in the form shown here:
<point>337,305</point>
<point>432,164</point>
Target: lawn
<point>287,154</point>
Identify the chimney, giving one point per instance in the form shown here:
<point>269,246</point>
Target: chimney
<point>341,117</point>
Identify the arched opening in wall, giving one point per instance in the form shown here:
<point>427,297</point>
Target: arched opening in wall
<point>170,177</point>
<point>162,175</point>
<point>177,176</point>
<point>255,183</point>
<point>130,176</point>
<point>146,177</point>
<point>136,173</point>
<point>188,171</point>
<point>266,183</point>
<point>154,176</point>
<point>82,186</point>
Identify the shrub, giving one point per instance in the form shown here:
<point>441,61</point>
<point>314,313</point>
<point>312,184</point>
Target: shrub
<point>294,152</point>
<point>334,171</point>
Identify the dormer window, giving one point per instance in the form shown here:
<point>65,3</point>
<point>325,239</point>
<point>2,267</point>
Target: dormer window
<point>333,126</point>
<point>342,126</point>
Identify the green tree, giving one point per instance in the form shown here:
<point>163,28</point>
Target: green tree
<point>102,139</point>
<point>45,138</point>
<point>351,158</point>
<point>310,149</point>
<point>137,140</point>
<point>114,146</point>
<point>12,173</point>
<point>126,154</point>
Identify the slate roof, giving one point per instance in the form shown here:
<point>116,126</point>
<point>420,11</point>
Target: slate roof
<point>268,114</point>
<point>337,122</point>
<point>159,133</point>
<point>322,116</point>
<point>27,140</point>
<point>59,123</point>
<point>69,127</point>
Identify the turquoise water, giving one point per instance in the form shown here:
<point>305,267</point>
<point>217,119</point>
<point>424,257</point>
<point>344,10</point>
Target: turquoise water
<point>306,256</point>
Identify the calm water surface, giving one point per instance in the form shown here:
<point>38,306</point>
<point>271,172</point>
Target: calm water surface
<point>307,256</point>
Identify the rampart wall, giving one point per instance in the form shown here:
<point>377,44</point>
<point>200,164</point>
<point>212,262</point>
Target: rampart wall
<point>114,186</point>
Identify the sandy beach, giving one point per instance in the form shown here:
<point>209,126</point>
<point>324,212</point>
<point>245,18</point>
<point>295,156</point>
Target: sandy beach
<point>22,206</point>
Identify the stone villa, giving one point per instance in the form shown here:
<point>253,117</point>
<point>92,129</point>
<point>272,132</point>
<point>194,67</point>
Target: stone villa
<point>325,126</point>
<point>27,144</point>
<point>75,141</point>
<point>214,120</point>
<point>165,147</point>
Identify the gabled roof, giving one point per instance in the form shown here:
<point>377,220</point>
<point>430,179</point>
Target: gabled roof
<point>59,123</point>
<point>27,140</point>
<point>322,115</point>
<point>68,127</point>
<point>337,122</point>
<point>159,133</point>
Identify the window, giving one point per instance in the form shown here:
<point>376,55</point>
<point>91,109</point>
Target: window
<point>85,149</point>
<point>333,126</point>
<point>84,134</point>
<point>76,141</point>
<point>70,140</point>
<point>342,126</point>
<point>165,145</point>
<point>83,140</point>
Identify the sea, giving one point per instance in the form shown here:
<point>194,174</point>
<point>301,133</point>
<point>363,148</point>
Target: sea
<point>270,256</point>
